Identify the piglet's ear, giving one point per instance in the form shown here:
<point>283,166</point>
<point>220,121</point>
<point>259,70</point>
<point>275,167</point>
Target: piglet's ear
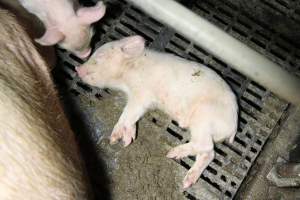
<point>52,36</point>
<point>89,15</point>
<point>133,46</point>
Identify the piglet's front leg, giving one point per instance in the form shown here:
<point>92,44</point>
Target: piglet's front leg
<point>125,128</point>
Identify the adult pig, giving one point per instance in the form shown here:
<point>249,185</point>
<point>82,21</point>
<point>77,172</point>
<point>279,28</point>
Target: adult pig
<point>33,27</point>
<point>66,23</point>
<point>39,156</point>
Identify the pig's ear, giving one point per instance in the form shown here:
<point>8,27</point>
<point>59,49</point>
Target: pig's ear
<point>51,36</point>
<point>89,15</point>
<point>133,46</point>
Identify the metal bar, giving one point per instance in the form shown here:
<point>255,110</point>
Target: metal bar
<point>222,45</point>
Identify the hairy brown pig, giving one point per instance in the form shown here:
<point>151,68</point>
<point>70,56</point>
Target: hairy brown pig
<point>38,151</point>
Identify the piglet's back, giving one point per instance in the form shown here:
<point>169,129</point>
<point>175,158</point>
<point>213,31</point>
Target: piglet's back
<point>196,80</point>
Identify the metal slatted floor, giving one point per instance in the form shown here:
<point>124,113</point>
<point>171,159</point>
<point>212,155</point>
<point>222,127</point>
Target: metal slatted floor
<point>260,110</point>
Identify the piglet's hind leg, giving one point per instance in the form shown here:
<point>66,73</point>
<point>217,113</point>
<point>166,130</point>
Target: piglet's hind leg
<point>201,145</point>
<point>183,150</point>
<point>202,161</point>
<point>204,155</point>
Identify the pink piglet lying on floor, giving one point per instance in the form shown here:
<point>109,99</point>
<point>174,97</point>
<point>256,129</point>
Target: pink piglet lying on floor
<point>192,94</point>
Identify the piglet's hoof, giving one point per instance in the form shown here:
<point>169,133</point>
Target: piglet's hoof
<point>127,134</point>
<point>115,136</point>
<point>190,179</point>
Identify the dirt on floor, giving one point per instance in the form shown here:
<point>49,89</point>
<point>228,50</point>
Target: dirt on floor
<point>141,170</point>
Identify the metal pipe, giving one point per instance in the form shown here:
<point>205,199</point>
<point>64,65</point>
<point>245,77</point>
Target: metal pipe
<point>222,45</point>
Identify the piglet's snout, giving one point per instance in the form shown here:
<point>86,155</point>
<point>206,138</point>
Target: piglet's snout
<point>82,72</point>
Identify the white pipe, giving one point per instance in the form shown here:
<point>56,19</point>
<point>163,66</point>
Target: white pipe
<point>232,51</point>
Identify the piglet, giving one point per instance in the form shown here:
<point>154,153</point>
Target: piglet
<point>194,95</point>
<point>66,24</point>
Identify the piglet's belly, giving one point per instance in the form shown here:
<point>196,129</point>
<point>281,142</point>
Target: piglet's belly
<point>179,113</point>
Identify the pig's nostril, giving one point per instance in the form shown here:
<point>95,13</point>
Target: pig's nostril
<point>84,54</point>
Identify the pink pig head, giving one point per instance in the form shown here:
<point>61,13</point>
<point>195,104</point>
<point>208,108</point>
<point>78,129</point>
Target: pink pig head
<point>110,60</point>
<point>74,33</point>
